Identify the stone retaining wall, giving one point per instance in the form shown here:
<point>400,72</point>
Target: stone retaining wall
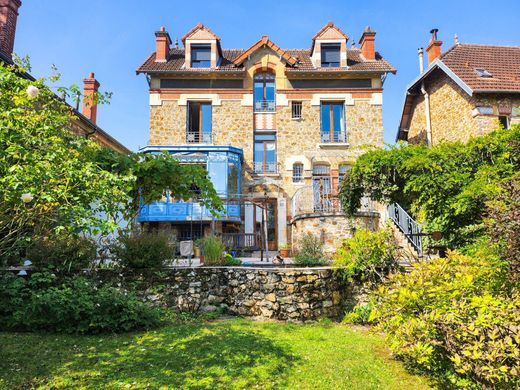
<point>294,294</point>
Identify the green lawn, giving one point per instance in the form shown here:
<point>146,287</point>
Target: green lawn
<point>229,354</point>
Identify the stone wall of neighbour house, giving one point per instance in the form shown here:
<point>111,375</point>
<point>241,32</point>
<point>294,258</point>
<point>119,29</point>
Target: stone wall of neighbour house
<point>331,228</point>
<point>451,112</point>
<point>293,294</point>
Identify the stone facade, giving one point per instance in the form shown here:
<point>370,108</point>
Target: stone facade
<point>452,112</point>
<point>294,294</point>
<point>234,121</point>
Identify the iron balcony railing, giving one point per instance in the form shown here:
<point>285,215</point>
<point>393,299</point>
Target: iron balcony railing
<point>336,138</point>
<point>196,137</point>
<point>262,167</point>
<point>265,106</point>
<point>410,228</point>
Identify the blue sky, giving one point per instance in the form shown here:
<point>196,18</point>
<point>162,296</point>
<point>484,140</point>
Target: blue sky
<point>111,38</point>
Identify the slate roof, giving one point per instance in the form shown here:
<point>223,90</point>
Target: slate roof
<point>503,62</point>
<point>355,61</point>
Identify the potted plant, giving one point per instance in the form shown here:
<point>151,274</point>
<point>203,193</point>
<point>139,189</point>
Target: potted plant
<point>212,250</point>
<point>285,250</point>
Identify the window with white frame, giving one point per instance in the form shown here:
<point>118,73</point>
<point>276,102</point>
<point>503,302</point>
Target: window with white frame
<point>297,173</point>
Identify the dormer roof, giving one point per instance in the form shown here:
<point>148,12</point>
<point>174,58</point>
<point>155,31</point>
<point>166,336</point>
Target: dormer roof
<point>265,41</point>
<point>330,31</point>
<point>200,32</point>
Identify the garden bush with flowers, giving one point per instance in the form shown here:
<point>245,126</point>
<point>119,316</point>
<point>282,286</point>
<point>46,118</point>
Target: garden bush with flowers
<point>56,184</point>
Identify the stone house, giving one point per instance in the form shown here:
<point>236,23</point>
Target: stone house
<point>84,123</point>
<point>275,128</point>
<point>466,92</point>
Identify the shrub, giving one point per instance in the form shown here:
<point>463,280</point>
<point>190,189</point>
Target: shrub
<point>62,253</point>
<point>74,305</point>
<point>140,249</point>
<point>310,252</point>
<point>212,248</point>
<point>367,255</point>
<point>456,318</point>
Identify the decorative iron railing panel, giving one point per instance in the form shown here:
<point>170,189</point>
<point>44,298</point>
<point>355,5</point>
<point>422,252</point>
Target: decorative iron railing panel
<point>265,106</point>
<point>196,137</point>
<point>261,167</point>
<point>410,228</point>
<point>336,137</point>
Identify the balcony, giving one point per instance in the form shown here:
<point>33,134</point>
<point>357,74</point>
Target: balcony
<point>196,137</point>
<point>265,106</point>
<point>339,138</point>
<point>309,202</point>
<point>187,211</point>
<point>265,168</point>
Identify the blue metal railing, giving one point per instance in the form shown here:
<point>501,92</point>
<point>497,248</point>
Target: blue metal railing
<point>410,228</point>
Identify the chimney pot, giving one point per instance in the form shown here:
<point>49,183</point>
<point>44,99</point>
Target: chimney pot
<point>90,89</point>
<point>434,47</point>
<point>8,18</point>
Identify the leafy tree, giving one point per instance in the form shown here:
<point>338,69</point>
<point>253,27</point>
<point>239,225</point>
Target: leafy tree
<point>445,187</point>
<point>53,182</point>
<point>504,223</point>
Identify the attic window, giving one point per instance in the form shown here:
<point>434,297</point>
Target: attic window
<point>483,72</point>
<point>330,54</point>
<point>200,56</point>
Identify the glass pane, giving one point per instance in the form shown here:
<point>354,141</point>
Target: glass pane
<point>259,152</point>
<point>265,137</point>
<point>325,121</point>
<point>258,91</point>
<point>337,109</point>
<point>206,118</point>
<point>269,91</point>
<point>232,179</point>
<point>201,52</point>
<point>271,218</point>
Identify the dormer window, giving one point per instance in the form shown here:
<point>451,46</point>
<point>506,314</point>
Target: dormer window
<point>200,55</point>
<point>330,54</point>
<point>483,72</point>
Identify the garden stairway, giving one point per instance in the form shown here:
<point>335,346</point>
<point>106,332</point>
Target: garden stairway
<point>408,234</point>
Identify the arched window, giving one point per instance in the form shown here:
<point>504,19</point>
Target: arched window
<point>297,172</point>
<point>264,92</point>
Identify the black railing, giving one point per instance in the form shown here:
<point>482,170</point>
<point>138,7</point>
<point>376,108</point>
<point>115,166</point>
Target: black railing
<point>410,228</point>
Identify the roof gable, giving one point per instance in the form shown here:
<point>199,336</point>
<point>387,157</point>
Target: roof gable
<point>330,31</point>
<point>265,41</point>
<point>200,32</point>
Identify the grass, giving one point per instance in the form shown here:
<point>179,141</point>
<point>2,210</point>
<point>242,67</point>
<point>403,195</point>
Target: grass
<point>230,354</point>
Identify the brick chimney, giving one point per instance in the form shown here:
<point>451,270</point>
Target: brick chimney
<point>434,47</point>
<point>8,17</point>
<point>162,43</point>
<point>90,88</point>
<point>367,42</point>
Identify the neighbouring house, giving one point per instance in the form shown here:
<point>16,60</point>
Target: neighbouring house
<point>275,128</point>
<point>84,123</point>
<point>466,92</point>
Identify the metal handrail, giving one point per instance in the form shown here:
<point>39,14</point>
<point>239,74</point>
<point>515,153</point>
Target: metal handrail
<point>410,228</point>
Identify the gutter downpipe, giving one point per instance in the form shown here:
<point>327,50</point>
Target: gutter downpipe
<point>427,114</point>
